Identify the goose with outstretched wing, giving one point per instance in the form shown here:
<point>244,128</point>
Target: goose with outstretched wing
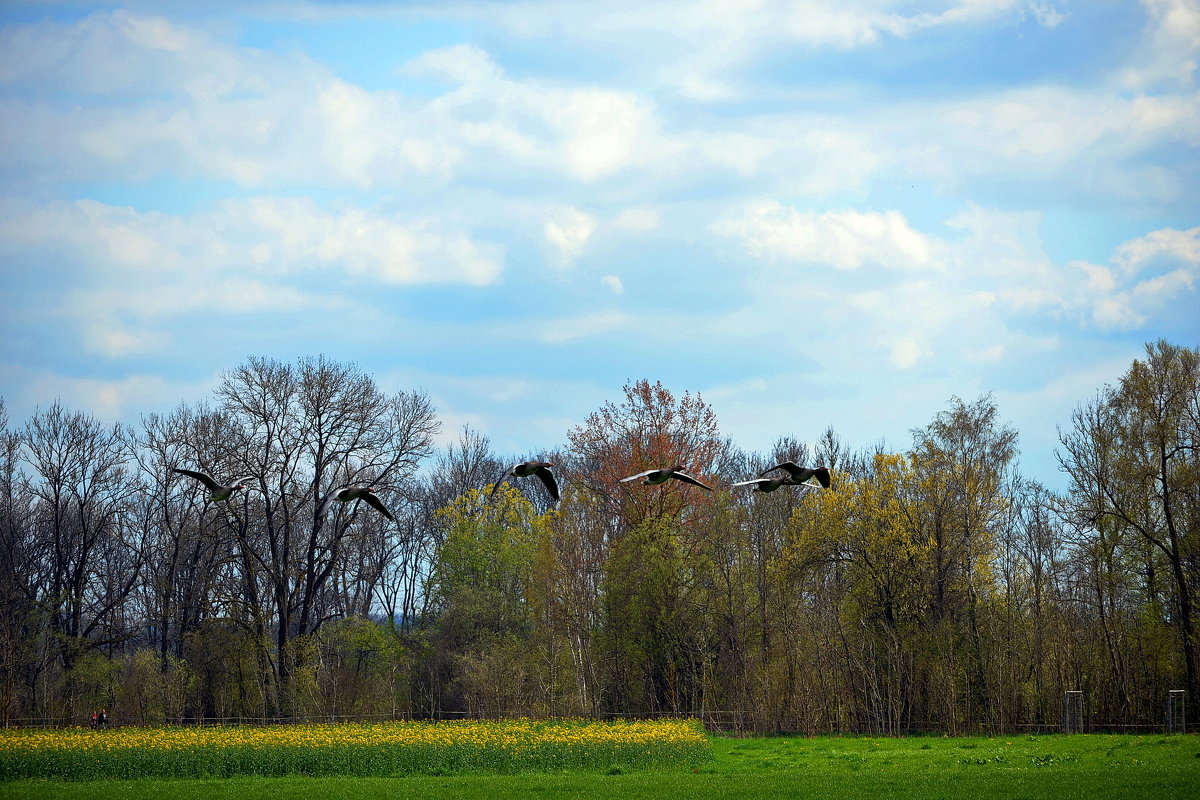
<point>801,474</point>
<point>654,477</point>
<point>349,494</point>
<point>217,490</point>
<point>526,469</point>
<point>771,484</point>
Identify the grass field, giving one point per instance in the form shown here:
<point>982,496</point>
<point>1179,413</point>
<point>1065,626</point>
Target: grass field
<point>1059,767</point>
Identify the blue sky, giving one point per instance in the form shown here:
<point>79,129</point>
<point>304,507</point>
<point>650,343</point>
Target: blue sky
<point>811,213</point>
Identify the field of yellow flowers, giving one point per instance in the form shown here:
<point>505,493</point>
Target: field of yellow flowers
<point>392,748</point>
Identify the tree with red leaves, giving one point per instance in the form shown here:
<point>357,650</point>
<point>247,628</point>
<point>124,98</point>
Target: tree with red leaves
<point>651,429</point>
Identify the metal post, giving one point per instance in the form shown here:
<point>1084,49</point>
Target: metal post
<point>1072,711</point>
<point>1176,711</point>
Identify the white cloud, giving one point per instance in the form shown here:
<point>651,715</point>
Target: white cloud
<point>163,98</point>
<point>376,246</point>
<point>613,282</point>
<point>132,275</point>
<point>1000,260</point>
<point>1169,244</point>
<point>229,295</point>
<point>108,235</point>
<point>703,46</point>
<point>567,231</point>
<point>1165,287</point>
<point>461,63</point>
<point>841,239</point>
<point>1169,49</point>
<point>1049,123</point>
<point>275,235</point>
<point>977,292</point>
<point>988,354</point>
<point>151,96</point>
<point>585,132</point>
<point>1101,280</point>
<point>1144,275</point>
<point>603,131</point>
<point>905,351</point>
<point>128,321</point>
<point>809,154</point>
<point>734,391</point>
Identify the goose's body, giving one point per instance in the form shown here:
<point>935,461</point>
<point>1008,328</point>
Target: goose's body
<point>799,474</point>
<point>654,477</point>
<point>527,469</point>
<point>217,490</point>
<point>351,493</point>
<point>771,484</point>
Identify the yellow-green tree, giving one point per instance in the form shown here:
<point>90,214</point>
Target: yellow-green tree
<point>481,588</point>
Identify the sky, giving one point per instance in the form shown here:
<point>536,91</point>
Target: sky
<point>812,213</point>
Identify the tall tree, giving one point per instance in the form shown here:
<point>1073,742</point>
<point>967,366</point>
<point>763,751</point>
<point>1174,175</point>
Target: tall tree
<point>185,542</point>
<point>1133,456</point>
<point>652,541</point>
<point>963,463</point>
<point>482,588</point>
<point>304,431</point>
<point>18,566</point>
<point>81,488</point>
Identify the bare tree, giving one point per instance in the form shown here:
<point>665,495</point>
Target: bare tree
<point>18,570</point>
<point>185,540</point>
<point>1133,455</point>
<point>82,491</point>
<point>303,431</point>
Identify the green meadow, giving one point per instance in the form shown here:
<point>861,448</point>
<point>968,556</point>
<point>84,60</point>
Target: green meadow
<point>1049,766</point>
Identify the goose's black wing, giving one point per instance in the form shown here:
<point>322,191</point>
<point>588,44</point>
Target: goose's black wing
<point>377,504</point>
<point>822,476</point>
<point>792,468</point>
<point>548,479</point>
<point>683,476</point>
<point>203,477</point>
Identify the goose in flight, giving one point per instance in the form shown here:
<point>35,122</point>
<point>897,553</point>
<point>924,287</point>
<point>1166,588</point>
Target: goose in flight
<point>349,493</point>
<point>801,474</point>
<point>218,492</point>
<point>527,468</point>
<point>656,476</point>
<point>771,484</point>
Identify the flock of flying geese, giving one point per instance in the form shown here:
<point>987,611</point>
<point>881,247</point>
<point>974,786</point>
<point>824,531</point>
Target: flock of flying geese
<point>796,475</point>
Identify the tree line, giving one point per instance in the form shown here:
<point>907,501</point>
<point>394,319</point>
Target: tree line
<point>934,588</point>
